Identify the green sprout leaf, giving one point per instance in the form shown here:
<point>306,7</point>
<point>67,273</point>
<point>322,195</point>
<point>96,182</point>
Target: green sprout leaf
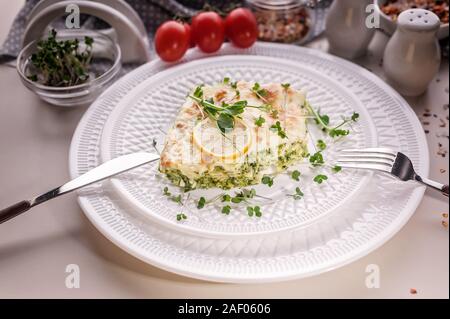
<point>267,180</point>
<point>336,169</point>
<point>254,211</point>
<point>226,210</point>
<point>295,175</point>
<point>355,116</point>
<point>321,145</point>
<point>226,198</point>
<point>277,128</point>
<point>319,179</point>
<point>298,194</point>
<point>201,203</point>
<point>316,159</point>
<point>260,121</point>
<point>259,91</point>
<point>286,86</point>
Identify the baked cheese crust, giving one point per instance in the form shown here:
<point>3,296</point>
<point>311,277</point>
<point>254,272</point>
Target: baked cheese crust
<point>188,165</point>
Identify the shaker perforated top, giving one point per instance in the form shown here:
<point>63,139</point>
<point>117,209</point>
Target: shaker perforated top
<point>419,20</point>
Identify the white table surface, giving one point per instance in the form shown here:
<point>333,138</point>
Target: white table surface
<point>35,248</point>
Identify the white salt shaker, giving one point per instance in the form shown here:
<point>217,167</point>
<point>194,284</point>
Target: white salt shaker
<point>412,56</point>
<point>346,28</point>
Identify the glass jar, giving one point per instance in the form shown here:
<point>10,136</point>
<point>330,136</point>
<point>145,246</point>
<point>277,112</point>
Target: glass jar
<point>285,21</point>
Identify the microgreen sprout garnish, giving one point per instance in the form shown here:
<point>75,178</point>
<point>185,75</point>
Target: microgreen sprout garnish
<point>166,191</point>
<point>277,128</point>
<point>226,198</point>
<point>181,217</point>
<point>274,113</point>
<point>154,144</point>
<point>201,203</point>
<point>177,199</point>
<point>260,92</point>
<point>298,194</point>
<point>295,175</point>
<point>324,122</point>
<point>226,210</point>
<point>254,211</point>
<point>338,132</point>
<point>286,86</point>
<point>321,145</point>
<point>336,169</point>
<point>243,196</point>
<point>260,121</point>
<point>198,93</point>
<point>319,179</point>
<point>61,63</point>
<point>316,159</point>
<point>285,89</point>
<point>233,85</point>
<point>225,114</point>
<point>267,180</point>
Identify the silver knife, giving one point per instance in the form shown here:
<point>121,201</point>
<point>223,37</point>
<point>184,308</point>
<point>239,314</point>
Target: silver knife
<point>108,169</point>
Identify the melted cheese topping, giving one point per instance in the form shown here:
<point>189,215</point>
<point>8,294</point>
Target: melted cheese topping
<point>181,153</point>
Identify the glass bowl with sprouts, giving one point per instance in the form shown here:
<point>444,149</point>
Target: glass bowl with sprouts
<point>69,67</point>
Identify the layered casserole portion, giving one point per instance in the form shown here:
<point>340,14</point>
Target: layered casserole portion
<point>232,134</point>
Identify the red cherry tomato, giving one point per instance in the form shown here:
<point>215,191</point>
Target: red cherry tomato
<point>191,38</point>
<point>241,27</point>
<point>171,41</point>
<point>208,31</point>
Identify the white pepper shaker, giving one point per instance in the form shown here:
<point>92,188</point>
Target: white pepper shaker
<point>412,56</point>
<point>346,28</point>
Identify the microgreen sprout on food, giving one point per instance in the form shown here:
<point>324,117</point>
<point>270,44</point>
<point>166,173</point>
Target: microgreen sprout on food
<point>223,115</point>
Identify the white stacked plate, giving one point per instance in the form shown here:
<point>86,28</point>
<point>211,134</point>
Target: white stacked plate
<point>345,218</point>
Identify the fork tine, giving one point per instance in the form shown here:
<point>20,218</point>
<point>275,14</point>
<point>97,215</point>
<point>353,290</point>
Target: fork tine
<point>376,150</point>
<point>367,156</point>
<point>380,161</point>
<point>375,167</point>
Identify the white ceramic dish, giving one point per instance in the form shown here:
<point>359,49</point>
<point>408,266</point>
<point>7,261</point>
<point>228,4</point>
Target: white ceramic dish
<point>389,26</point>
<point>150,109</point>
<point>350,232</point>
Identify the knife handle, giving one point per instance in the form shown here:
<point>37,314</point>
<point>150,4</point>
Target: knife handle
<point>14,210</point>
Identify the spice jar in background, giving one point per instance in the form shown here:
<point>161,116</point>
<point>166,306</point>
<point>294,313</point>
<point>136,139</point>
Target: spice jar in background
<point>285,21</point>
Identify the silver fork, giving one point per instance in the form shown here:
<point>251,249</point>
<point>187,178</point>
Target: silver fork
<point>387,161</point>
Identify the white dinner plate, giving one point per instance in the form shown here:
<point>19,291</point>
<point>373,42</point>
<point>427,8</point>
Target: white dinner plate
<point>150,109</point>
<point>324,239</point>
